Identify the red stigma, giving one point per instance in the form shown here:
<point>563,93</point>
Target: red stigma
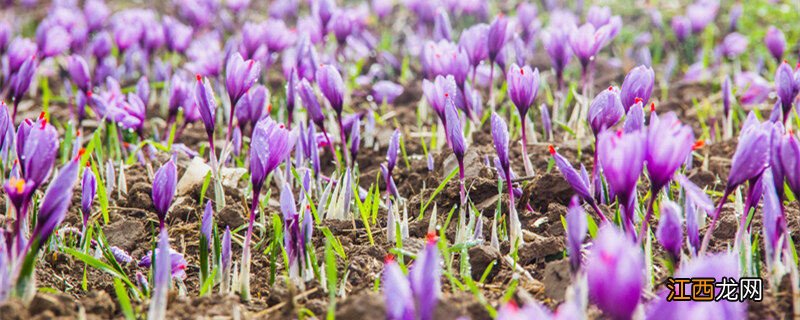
<point>89,94</point>
<point>197,76</point>
<point>431,237</point>
<point>521,71</point>
<point>280,126</point>
<point>652,106</point>
<point>269,108</point>
<point>308,207</point>
<point>698,144</point>
<point>88,164</point>
<point>610,88</point>
<point>44,123</point>
<point>797,66</point>
<point>80,154</point>
<point>637,100</point>
<point>619,133</point>
<point>388,258</point>
<point>77,133</point>
<point>551,149</point>
<point>41,115</point>
<point>250,65</point>
<point>446,95</point>
<point>126,145</point>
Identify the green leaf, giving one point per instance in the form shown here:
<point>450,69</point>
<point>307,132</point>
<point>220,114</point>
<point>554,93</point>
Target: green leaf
<point>209,283</point>
<point>337,246</point>
<point>102,195</point>
<point>331,276</point>
<point>124,300</point>
<point>100,265</point>
<point>437,190</point>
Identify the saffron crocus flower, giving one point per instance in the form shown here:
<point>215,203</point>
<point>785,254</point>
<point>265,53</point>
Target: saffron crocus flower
<point>579,181</point>
<point>207,223</point>
<point>496,37</point>
<point>774,219</point>
<point>20,82</point>
<point>670,232</point>
<point>225,259</point>
<point>701,13</point>
<point>425,279</point>
<point>734,44</point>
<point>88,191</point>
<point>681,26</point>
<point>775,42</point>
<point>727,94</point>
<point>240,75</point>
<point>79,72</point>
<point>55,202</point>
<point>332,86</point>
<point>438,92</point>
<point>634,120</point>
<point>500,137</point>
<point>586,42</point>
<point>748,163</point>
<point>638,83</point>
<point>605,110</point>
<point>441,26</point>
<point>120,255</point>
<point>291,95</point>
<point>397,292</point>
<point>161,278</point>
<point>355,139</point>
<point>39,145</point>
<point>311,103</point>
<point>622,158</point>
<point>547,123</point>
<point>576,232</point>
<point>391,160</point>
<point>556,43</point>
<point>788,156</point>
<point>523,86</point>
<point>143,90</point>
<point>719,266</point>
<point>786,88</point>
<point>473,41</point>
<point>386,91</point>
<point>207,104</point>
<point>251,106</point>
<point>614,273</point>
<point>164,183</point>
<point>271,145</point>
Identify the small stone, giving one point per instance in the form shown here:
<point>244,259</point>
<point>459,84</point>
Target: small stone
<point>481,257</point>
<point>193,177</point>
<point>556,279</point>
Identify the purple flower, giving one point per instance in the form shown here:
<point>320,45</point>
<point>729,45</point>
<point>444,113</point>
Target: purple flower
<point>556,43</point>
<point>79,72</point>
<point>786,87</point>
<point>598,16</point>
<point>355,139</point>
<point>176,264</point>
<point>734,44</point>
<point>634,120</point>
<point>681,26</point>
<point>386,91</point>
<point>788,157</point>
<point>332,87</point>
<point>310,102</point>
<point>775,42</point>
<point>547,123</point>
<point>622,157</point>
<point>55,202</point>
<point>88,191</point>
<point>397,292</point>
<point>576,232</point>
<point>240,75</point>
<point>614,273</point>
<point>425,279</point>
<point>670,232</point>
<point>52,41</point>
<point>143,90</point>
<point>251,106</point>
<point>441,27</point>
<point>96,13</point>
<point>726,96</point>
<point>752,88</point>
<point>179,96</point>
<point>578,180</point>
<point>207,104</point>
<point>393,150</point>
<point>164,183</point>
<point>438,93</point>
<point>19,192</point>
<point>587,41</point>
<point>605,110</point>
<point>101,45</point>
<point>752,153</point>
<point>496,36</point>
<point>19,51</point>
<point>225,255</point>
<point>342,26</point>
<point>39,145</point>
<point>178,36</point>
<point>207,223</point>
<point>668,144</point>
<point>271,144</point>
<point>473,42</point>
<point>120,255</point>
<point>21,81</point>
<point>454,132</point>
<point>291,94</point>
<point>638,83</point>
<point>718,266</point>
<point>500,136</point>
<point>702,13</point>
<point>523,86</point>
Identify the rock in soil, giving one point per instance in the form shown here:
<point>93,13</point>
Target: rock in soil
<point>126,234</point>
<point>556,279</point>
<point>481,257</point>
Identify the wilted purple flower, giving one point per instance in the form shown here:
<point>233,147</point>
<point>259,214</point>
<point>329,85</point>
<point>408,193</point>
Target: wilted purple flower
<point>425,279</point>
<point>88,191</point>
<point>79,72</point>
<point>55,203</point>
<point>638,83</point>
<point>718,266</point>
<point>164,183</point>
<point>441,27</point>
<point>634,120</point>
<point>576,232</point>
<point>670,232</point>
<point>605,110</point>
<point>120,255</point>
<point>587,41</point>
<point>207,104</point>
<point>496,37</point>
<point>386,91</point>
<point>681,26</point>
<point>310,102</point>
<point>556,43</point>
<point>614,272</point>
<point>397,292</point>
<point>622,157</point>
<point>786,88</point>
<point>775,42</point>
<point>734,44</point>
<point>668,144</point>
